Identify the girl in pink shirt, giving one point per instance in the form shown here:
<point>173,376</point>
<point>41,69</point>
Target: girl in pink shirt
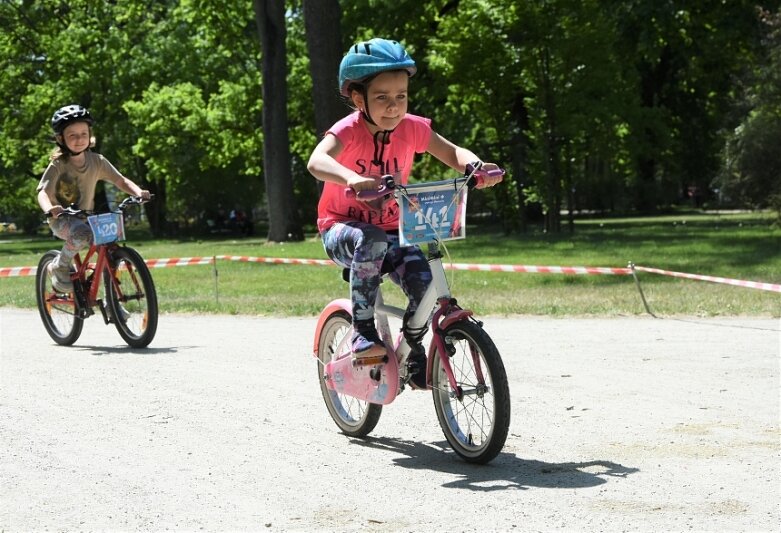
<point>379,138</point>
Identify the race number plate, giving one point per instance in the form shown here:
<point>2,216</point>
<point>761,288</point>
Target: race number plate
<point>432,212</point>
<point>107,227</point>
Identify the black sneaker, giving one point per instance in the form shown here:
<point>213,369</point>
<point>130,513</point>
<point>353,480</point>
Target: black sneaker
<point>416,364</point>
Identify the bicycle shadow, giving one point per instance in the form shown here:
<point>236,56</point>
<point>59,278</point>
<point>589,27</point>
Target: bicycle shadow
<point>100,351</point>
<point>505,472</point>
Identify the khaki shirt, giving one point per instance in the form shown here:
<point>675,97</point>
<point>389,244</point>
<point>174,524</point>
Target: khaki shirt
<point>70,184</point>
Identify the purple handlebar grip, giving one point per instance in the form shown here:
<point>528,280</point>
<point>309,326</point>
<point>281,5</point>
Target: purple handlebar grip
<point>490,173</point>
<point>385,188</point>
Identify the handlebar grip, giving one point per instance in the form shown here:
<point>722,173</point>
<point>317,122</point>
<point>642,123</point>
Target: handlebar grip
<point>71,210</point>
<point>479,176</point>
<point>386,186</point>
<point>494,172</point>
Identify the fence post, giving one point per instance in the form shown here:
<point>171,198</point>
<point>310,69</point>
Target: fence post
<point>640,289</point>
<point>216,287</point>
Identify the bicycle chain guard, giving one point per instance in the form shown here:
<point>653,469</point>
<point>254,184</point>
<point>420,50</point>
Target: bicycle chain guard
<point>372,383</point>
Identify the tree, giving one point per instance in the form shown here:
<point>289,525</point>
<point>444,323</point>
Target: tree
<point>283,218</point>
<point>547,101</point>
<point>752,160</point>
<point>683,60</point>
<point>324,44</point>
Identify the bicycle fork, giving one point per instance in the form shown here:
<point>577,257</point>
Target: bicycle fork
<point>446,314</point>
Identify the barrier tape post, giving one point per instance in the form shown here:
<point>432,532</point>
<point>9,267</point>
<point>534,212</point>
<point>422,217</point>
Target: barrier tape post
<point>640,289</point>
<point>216,284</point>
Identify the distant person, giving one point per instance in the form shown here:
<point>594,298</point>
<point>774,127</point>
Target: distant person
<point>379,138</point>
<point>71,178</point>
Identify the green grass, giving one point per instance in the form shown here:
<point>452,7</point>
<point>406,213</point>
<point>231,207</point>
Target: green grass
<point>741,246</point>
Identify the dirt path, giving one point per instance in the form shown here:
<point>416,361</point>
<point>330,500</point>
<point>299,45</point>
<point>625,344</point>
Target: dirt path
<point>630,423</point>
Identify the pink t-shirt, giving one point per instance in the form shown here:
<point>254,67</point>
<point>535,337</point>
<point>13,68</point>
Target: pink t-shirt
<point>369,156</point>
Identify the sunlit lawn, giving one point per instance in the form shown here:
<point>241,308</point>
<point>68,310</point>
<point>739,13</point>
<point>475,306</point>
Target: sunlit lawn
<point>742,246</point>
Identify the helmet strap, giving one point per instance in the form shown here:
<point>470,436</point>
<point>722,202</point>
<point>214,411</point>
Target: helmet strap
<point>365,112</point>
<point>68,151</point>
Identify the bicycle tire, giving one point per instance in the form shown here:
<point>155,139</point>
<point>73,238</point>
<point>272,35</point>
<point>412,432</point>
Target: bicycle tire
<point>476,425</point>
<point>356,418</point>
<point>132,301</point>
<point>60,318</point>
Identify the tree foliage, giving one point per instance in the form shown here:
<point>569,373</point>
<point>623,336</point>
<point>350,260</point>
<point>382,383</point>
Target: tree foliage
<point>590,104</point>
<point>752,160</point>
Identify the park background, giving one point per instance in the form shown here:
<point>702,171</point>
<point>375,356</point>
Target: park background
<point>639,131</point>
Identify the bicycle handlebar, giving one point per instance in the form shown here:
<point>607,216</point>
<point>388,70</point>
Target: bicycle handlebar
<point>386,186</point>
<point>73,211</point>
<point>474,174</point>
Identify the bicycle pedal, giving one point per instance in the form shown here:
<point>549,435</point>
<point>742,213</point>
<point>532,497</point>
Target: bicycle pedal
<point>369,361</point>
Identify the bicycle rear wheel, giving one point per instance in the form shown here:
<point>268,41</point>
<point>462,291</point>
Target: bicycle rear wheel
<point>59,312</point>
<point>132,299</point>
<point>356,418</point>
<point>475,417</point>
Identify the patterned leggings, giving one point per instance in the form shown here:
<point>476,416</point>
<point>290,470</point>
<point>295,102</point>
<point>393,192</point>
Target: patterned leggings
<point>75,232</point>
<point>362,247</point>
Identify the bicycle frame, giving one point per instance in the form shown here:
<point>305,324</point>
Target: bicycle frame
<point>437,304</point>
<point>464,370</point>
<point>84,302</point>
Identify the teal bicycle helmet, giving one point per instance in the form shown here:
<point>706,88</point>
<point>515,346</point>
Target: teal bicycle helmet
<point>366,59</point>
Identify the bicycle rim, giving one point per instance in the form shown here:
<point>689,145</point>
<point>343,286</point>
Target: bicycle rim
<point>476,423</point>
<point>354,417</point>
<point>58,311</point>
<point>132,298</point>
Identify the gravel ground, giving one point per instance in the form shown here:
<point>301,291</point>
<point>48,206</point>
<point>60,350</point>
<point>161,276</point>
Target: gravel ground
<point>620,424</point>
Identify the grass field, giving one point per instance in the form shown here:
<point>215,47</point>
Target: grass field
<point>743,246</point>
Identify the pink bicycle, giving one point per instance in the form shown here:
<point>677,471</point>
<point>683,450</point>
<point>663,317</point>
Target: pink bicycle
<point>464,370</point>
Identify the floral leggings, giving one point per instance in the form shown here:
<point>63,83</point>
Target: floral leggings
<point>362,247</point>
<point>75,232</point>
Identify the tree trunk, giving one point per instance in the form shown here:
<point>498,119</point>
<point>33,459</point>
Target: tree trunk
<point>520,149</point>
<point>553,185</point>
<point>283,217</point>
<point>652,81</point>
<point>322,20</point>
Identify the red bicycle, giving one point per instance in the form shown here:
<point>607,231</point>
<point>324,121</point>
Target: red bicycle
<point>131,300</point>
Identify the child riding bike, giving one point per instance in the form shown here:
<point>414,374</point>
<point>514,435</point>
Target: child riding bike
<point>379,138</point>
<point>70,178</point>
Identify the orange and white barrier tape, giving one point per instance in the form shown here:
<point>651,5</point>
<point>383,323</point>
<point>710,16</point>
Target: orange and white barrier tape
<point>6,272</point>
<point>276,260</point>
<point>539,269</point>
<point>773,287</point>
<point>179,261</point>
<point>12,272</point>
<point>448,266</point>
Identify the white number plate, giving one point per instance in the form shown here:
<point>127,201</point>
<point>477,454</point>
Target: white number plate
<point>432,213</point>
<point>107,227</point>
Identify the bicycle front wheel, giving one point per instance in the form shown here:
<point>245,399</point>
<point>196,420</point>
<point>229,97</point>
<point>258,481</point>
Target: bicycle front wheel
<point>59,312</point>
<point>475,416</point>
<point>356,418</point>
<point>132,300</point>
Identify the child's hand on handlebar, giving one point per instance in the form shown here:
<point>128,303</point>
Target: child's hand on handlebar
<point>362,183</point>
<point>490,174</point>
<point>55,211</point>
<point>365,189</point>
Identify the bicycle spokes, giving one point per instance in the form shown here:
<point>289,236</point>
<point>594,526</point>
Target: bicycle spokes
<point>471,395</point>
